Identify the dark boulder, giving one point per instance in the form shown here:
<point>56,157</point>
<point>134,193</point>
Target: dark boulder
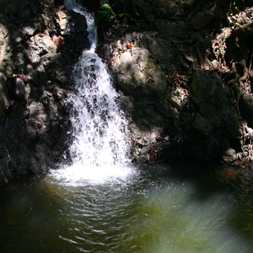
<point>246,107</point>
<point>215,123</point>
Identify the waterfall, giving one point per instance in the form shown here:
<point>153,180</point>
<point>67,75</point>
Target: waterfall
<point>100,150</point>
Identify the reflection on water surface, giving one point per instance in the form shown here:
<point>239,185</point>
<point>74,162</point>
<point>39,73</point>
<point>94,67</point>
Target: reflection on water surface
<point>148,214</point>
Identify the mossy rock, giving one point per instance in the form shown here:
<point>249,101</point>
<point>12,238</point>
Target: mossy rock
<point>105,14</point>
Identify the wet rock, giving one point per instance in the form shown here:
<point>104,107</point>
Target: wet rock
<point>3,43</point>
<point>36,124</point>
<point>246,107</point>
<point>59,93</point>
<point>41,45</point>
<point>20,91</point>
<point>63,19</point>
<point>35,68</point>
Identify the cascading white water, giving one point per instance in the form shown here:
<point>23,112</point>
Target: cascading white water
<point>100,147</point>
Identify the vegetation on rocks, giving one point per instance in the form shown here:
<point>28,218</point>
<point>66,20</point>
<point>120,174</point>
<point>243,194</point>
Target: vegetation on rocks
<point>105,14</point>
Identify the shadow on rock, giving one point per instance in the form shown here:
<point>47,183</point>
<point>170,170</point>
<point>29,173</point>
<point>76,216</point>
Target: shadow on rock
<point>179,76</point>
<point>44,42</point>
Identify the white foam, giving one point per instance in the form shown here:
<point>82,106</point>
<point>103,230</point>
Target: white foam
<point>100,150</point>
<point>77,174</point>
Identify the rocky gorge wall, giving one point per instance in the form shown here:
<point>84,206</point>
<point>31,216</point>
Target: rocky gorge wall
<point>39,43</point>
<point>184,69</point>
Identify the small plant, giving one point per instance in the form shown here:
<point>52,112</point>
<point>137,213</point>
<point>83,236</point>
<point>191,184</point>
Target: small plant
<point>105,14</point>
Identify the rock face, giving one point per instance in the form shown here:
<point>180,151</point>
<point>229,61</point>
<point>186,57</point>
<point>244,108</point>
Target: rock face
<point>138,72</point>
<point>215,123</point>
<point>3,43</point>
<point>38,47</point>
<point>186,87</point>
<point>181,67</point>
<point>246,106</point>
<point>93,5</point>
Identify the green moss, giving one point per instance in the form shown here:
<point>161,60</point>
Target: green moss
<point>105,14</point>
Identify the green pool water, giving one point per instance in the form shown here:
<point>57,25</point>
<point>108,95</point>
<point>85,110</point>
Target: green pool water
<point>150,213</point>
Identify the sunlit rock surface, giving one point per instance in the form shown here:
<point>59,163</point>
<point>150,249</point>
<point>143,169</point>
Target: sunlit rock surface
<point>180,69</point>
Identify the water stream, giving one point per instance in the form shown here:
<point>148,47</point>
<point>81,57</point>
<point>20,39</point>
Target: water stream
<point>101,148</point>
<point>100,204</point>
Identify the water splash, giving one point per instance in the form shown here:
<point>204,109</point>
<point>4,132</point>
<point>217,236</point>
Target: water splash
<point>100,148</point>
